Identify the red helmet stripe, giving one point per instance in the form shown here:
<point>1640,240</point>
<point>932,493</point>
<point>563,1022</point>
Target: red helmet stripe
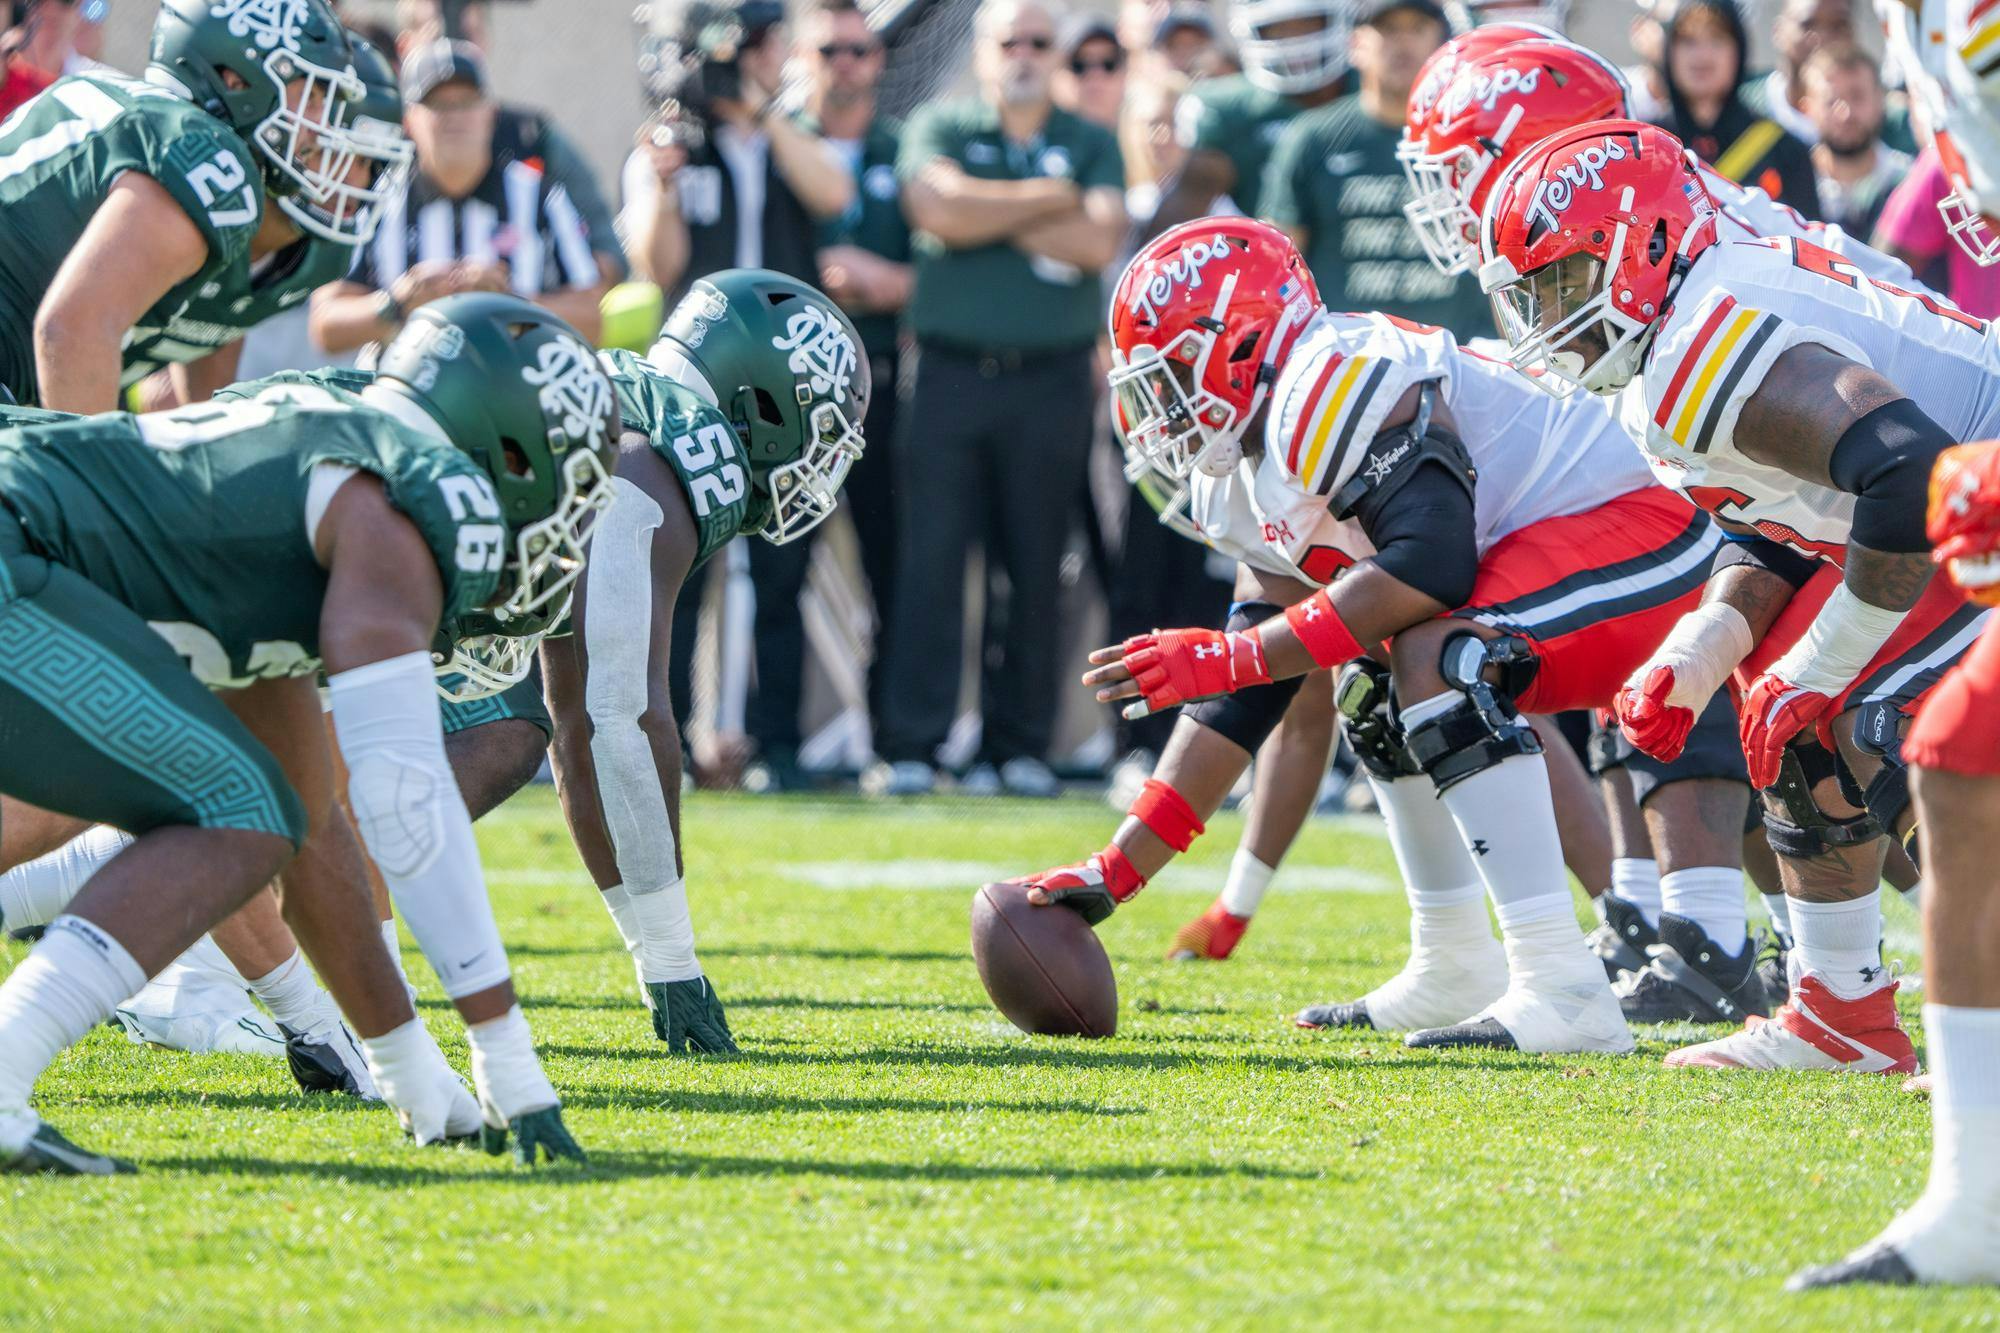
<point>1309,415</point>
<point>1689,361</point>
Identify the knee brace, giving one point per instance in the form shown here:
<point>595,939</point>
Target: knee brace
<point>1483,729</point>
<point>1248,717</point>
<point>1801,828</point>
<point>1368,720</point>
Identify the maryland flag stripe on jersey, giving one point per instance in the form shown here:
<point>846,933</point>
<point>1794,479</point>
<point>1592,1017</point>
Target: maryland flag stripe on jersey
<point>1722,350</point>
<point>1981,47</point>
<point>1334,405</point>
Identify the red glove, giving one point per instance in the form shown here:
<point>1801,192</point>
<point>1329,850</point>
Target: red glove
<point>1774,711</point>
<point>1093,888</point>
<point>1175,665</point>
<point>1649,721</point>
<point>1964,522</point>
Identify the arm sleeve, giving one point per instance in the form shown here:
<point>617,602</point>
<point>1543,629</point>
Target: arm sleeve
<point>1885,461</point>
<point>1423,534</point>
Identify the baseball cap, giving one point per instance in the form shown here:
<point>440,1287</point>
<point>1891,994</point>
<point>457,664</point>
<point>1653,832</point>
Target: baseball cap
<point>1081,28</point>
<point>431,67</point>
<point>1377,10</point>
<point>1179,18</point>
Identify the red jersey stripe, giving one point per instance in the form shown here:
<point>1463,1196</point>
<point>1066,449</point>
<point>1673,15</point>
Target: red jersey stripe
<point>1302,428</point>
<point>1690,360</point>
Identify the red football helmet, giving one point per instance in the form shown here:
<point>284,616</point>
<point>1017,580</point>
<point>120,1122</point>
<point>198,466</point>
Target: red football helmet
<point>1200,322</point>
<point>1442,65</point>
<point>1964,524</point>
<point>1497,107</point>
<point>1582,244</point>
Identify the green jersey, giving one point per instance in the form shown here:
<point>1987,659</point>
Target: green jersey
<point>227,307</point>
<point>60,155</point>
<point>199,519</point>
<point>1234,117</point>
<point>1334,176</point>
<point>696,442</point>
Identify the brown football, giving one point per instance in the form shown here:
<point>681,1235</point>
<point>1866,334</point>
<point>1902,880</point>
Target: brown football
<point>1043,966</point>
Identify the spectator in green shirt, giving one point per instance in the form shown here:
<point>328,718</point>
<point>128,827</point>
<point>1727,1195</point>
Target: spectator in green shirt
<point>1018,207</point>
<point>1335,185</point>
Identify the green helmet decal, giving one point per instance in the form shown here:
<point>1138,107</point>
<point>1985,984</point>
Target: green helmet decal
<point>293,88</point>
<point>785,366</point>
<point>519,390</point>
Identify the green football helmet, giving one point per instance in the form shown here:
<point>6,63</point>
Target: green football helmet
<point>268,45</point>
<point>519,390</point>
<point>785,366</point>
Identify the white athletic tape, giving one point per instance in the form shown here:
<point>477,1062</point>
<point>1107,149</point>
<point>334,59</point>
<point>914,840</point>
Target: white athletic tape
<point>1705,646</point>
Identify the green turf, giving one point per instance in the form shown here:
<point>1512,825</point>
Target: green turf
<point>886,1151</point>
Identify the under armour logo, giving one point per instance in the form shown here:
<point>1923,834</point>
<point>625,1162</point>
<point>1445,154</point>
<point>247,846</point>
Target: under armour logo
<point>1312,610</point>
<point>1208,650</point>
<point>1479,846</point>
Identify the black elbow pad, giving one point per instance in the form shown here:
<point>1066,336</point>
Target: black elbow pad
<point>1884,461</point>
<point>1423,533</point>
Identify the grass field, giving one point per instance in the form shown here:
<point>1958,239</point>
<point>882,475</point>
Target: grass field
<point>886,1151</point>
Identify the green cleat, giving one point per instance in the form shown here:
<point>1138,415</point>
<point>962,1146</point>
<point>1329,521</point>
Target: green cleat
<point>536,1133</point>
<point>687,1016</point>
<point>48,1153</point>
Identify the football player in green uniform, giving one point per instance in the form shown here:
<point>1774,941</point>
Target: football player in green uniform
<point>242,547</point>
<point>122,202</point>
<point>1294,57</point>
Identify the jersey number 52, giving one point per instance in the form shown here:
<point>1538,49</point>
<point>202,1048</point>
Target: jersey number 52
<point>709,485</point>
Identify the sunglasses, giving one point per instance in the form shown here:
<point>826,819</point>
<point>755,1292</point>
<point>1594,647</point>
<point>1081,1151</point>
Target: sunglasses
<point>1039,45</point>
<point>835,50</point>
<point>1107,65</point>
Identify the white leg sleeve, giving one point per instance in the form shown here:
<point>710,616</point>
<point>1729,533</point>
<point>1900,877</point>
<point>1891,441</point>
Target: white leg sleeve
<point>618,646</point>
<point>412,819</point>
<point>36,893</point>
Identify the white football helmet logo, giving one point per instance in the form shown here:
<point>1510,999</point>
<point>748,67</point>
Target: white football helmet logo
<point>271,23</point>
<point>820,350</point>
<point>573,389</point>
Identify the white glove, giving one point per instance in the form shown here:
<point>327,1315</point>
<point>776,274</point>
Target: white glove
<point>430,1099</point>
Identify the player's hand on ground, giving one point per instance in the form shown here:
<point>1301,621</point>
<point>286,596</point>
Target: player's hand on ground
<point>1168,668</point>
<point>1657,727</point>
<point>1774,712</point>
<point>1093,888</point>
<point>688,1017</point>
<point>537,1135</point>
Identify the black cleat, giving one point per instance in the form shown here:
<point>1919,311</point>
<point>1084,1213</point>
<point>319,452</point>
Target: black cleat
<point>1622,936</point>
<point>1879,1264</point>
<point>1486,1032</point>
<point>1331,1015</point>
<point>1689,979</point>
<point>48,1153</point>
<point>318,1067</point>
<point>1773,967</point>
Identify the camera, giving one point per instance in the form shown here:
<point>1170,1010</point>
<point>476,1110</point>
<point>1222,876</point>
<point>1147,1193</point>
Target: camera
<point>695,63</point>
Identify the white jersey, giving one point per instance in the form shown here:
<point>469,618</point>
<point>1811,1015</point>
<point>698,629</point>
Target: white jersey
<point>1739,308</point>
<point>1746,213</point>
<point>1221,516</point>
<point>1537,457</point>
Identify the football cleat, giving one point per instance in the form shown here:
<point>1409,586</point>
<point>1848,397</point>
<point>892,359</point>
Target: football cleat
<point>329,1060</point>
<point>1213,935</point>
<point>1436,987</point>
<point>1878,1264</point>
<point>687,1016</point>
<point>30,1145</point>
<point>1815,1029</point>
<point>1622,936</point>
<point>1774,966</point>
<point>1539,1020</point>
<point>536,1134</point>
<point>1689,979</point>
<point>244,1033</point>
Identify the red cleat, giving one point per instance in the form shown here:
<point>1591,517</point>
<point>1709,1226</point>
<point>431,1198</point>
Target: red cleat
<point>1212,935</point>
<point>1815,1029</point>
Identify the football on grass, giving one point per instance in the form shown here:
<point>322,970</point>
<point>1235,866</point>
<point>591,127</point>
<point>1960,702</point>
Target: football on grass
<point>1043,966</point>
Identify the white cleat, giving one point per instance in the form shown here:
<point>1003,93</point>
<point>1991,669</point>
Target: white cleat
<point>1569,1018</point>
<point>1436,987</point>
<point>1815,1029</point>
<point>243,1032</point>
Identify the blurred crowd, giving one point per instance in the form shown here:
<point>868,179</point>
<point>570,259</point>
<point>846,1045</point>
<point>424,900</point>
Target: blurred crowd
<point>974,243</point>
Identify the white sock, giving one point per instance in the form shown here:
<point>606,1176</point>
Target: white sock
<point>1712,898</point>
<point>292,995</point>
<point>619,904</point>
<point>1780,909</point>
<point>666,932</point>
<point>1841,943</point>
<point>1447,901</point>
<point>36,893</point>
<point>1545,947</point>
<point>1636,879</point>
<point>1952,1234</point>
<point>1248,880</point>
<point>72,982</point>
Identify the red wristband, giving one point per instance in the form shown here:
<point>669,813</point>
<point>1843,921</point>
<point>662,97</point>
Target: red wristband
<point>1167,813</point>
<point>1321,631</point>
<point>1120,875</point>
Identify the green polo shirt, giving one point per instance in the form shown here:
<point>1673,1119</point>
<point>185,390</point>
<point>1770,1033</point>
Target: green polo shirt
<point>1334,175</point>
<point>1234,117</point>
<point>995,296</point>
<point>874,221</point>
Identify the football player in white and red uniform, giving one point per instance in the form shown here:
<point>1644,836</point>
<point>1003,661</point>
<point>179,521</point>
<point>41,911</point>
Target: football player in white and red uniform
<point>1802,403</point>
<point>1532,563</point>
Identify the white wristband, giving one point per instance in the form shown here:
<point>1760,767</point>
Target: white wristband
<point>1705,646</point>
<point>1839,644</point>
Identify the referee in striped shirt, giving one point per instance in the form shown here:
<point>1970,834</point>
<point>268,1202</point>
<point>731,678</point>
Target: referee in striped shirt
<point>480,214</point>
